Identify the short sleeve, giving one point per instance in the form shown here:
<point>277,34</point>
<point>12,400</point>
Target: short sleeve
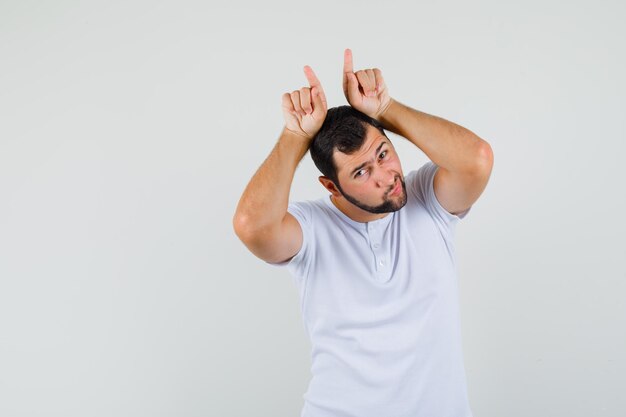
<point>421,183</point>
<point>298,264</point>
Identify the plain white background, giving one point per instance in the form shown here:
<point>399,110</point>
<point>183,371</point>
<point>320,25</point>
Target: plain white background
<point>129,130</point>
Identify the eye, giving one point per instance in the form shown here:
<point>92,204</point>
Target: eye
<point>383,152</point>
<point>357,173</point>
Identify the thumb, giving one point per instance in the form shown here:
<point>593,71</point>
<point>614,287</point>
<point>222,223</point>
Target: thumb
<point>319,101</point>
<point>353,86</point>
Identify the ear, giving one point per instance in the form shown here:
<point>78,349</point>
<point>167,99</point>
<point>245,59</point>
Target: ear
<point>329,185</point>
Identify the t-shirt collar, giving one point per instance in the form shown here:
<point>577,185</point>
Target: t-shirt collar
<point>382,222</point>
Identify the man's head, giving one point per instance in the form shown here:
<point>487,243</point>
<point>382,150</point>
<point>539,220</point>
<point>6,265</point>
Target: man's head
<point>358,161</point>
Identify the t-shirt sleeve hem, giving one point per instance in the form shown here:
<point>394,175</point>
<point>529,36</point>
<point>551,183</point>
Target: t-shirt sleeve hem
<point>296,212</point>
<point>450,217</point>
<point>440,208</point>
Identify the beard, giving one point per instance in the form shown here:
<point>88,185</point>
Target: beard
<point>387,206</point>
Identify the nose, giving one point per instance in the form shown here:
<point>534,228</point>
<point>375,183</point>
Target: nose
<point>387,179</point>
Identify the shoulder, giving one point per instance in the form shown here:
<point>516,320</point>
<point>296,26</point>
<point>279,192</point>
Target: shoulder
<point>309,215</point>
<point>420,183</point>
<point>307,211</point>
<point>418,180</point>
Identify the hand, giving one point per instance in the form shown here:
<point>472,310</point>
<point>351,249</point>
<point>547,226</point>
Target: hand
<point>305,109</point>
<point>366,90</point>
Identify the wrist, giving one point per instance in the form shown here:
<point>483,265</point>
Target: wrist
<point>296,135</point>
<point>381,116</point>
<point>384,109</point>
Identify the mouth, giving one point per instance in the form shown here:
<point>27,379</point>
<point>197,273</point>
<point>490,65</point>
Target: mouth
<point>396,189</point>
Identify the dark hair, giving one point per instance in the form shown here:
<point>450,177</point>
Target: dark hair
<point>344,129</point>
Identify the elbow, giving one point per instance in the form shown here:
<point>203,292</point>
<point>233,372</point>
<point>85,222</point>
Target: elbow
<point>239,226</point>
<point>484,157</point>
<point>248,229</point>
<point>486,153</point>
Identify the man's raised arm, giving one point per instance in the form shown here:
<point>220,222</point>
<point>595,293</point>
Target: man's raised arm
<point>464,160</point>
<point>261,220</point>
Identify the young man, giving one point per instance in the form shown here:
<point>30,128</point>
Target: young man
<point>374,261</point>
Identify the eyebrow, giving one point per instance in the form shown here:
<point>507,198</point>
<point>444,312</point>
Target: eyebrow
<point>366,163</point>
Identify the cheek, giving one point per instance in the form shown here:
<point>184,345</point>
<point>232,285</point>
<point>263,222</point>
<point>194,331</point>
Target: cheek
<point>361,192</point>
<point>393,165</point>
<point>368,194</point>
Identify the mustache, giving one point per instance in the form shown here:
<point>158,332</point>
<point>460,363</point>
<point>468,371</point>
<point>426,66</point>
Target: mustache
<point>394,184</point>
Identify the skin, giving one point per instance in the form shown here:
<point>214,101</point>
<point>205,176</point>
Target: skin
<point>365,195</point>
<point>465,161</point>
<point>262,208</point>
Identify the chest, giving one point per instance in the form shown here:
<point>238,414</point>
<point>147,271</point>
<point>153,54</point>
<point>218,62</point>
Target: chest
<point>370,269</point>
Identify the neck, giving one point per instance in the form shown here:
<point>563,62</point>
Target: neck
<point>355,213</point>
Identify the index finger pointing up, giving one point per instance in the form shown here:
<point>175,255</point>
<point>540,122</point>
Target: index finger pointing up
<point>347,61</point>
<point>310,75</point>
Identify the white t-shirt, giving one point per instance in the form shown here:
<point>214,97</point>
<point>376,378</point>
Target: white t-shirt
<point>380,305</point>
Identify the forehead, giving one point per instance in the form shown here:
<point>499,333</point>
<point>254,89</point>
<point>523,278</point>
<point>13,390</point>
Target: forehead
<point>346,163</point>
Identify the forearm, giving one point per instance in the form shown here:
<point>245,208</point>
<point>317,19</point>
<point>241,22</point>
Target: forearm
<point>447,144</point>
<point>266,197</point>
